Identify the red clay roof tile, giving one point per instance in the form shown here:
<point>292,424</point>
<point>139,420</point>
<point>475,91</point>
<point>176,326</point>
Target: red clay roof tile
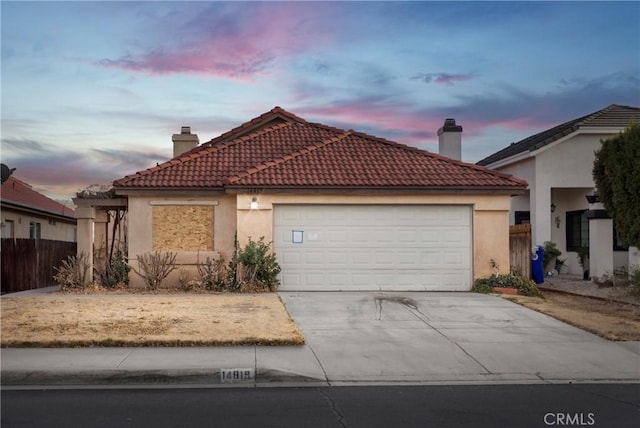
<point>22,194</point>
<point>279,149</point>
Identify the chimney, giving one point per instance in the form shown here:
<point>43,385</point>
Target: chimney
<point>450,140</point>
<point>184,141</point>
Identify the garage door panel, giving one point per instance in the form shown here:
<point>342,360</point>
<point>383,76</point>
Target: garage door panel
<point>380,247</point>
<point>314,258</point>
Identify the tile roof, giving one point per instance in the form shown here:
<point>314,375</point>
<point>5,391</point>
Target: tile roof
<point>278,149</point>
<point>613,116</point>
<point>20,194</point>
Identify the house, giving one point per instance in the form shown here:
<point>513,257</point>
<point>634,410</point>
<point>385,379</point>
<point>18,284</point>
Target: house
<point>557,163</point>
<point>343,209</point>
<point>29,214</point>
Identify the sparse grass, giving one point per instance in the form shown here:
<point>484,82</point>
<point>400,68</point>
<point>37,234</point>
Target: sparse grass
<point>611,320</point>
<point>147,320</point>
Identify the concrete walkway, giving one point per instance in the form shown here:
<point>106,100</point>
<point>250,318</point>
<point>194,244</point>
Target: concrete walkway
<point>360,337</point>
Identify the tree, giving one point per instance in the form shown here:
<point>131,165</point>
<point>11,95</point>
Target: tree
<point>616,172</point>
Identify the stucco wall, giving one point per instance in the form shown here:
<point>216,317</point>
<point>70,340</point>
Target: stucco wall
<point>141,228</point>
<point>490,219</point>
<point>60,231</point>
<point>560,174</point>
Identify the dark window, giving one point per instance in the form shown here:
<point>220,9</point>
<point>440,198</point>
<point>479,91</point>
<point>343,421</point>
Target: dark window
<point>523,217</point>
<point>577,230</point>
<point>34,230</point>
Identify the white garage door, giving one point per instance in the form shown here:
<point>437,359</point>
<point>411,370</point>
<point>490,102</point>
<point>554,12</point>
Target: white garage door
<point>373,247</point>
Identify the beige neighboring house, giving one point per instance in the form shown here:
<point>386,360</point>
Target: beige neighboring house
<point>557,163</point>
<point>29,214</point>
<point>344,210</point>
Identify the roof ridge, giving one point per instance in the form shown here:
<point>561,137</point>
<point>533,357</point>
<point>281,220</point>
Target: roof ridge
<point>17,190</point>
<point>547,136</point>
<point>596,114</point>
<point>428,153</point>
<point>278,161</point>
<point>274,112</point>
<point>190,155</point>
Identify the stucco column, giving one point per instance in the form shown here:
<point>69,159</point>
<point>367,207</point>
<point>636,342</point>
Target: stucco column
<point>85,217</point>
<point>600,240</point>
<point>634,258</point>
<point>540,200</point>
<point>600,247</point>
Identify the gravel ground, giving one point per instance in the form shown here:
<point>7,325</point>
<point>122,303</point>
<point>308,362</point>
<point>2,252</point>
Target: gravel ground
<point>575,284</point>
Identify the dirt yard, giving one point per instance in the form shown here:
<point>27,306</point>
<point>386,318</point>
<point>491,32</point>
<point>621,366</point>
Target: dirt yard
<point>611,320</point>
<point>146,320</point>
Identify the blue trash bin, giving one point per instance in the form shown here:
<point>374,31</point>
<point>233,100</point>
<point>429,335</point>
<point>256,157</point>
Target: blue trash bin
<point>537,269</point>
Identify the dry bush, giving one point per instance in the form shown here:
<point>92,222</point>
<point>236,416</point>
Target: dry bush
<point>155,267</point>
<point>213,274</point>
<point>72,274</point>
<point>187,281</point>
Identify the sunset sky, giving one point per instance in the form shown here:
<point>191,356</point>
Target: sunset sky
<point>92,91</point>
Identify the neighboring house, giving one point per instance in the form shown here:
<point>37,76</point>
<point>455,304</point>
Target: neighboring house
<point>344,210</point>
<point>557,164</point>
<point>29,214</point>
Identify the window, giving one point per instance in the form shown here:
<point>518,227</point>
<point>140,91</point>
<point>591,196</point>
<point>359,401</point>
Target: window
<point>523,217</point>
<point>8,229</point>
<point>577,230</point>
<point>34,230</point>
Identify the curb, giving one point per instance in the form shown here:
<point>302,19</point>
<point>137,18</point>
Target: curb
<point>150,377</point>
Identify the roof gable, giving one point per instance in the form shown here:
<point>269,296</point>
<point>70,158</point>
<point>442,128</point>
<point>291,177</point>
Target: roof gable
<point>21,194</point>
<point>279,149</point>
<point>613,116</point>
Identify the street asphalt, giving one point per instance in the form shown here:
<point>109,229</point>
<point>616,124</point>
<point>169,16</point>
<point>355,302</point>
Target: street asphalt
<point>359,338</point>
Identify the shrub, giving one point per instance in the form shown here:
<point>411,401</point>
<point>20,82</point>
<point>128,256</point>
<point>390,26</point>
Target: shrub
<point>525,286</point>
<point>111,271</point>
<point>550,251</point>
<point>213,274</point>
<point>155,267</point>
<point>187,281</point>
<point>253,268</point>
<point>72,274</point>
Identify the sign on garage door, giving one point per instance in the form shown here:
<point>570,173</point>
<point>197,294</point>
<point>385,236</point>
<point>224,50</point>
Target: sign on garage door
<point>373,247</point>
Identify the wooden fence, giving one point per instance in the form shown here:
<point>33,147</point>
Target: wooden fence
<point>30,263</point>
<point>520,249</point>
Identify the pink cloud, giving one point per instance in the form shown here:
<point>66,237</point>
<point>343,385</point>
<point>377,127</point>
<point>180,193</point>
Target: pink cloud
<point>398,122</point>
<point>236,45</point>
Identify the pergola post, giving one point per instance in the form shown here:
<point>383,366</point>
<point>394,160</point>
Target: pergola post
<point>85,216</point>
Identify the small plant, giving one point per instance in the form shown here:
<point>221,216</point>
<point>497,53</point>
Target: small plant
<point>155,267</point>
<point>583,259</point>
<point>113,270</point>
<point>213,274</point>
<point>583,255</point>
<point>72,274</point>
<point>187,281</point>
<point>525,286</point>
<point>253,268</point>
<point>560,263</point>
<point>494,265</point>
<point>551,251</point>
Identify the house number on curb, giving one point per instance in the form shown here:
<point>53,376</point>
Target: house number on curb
<point>235,375</point>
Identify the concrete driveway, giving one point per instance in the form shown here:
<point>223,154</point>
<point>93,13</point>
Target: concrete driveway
<point>449,337</point>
